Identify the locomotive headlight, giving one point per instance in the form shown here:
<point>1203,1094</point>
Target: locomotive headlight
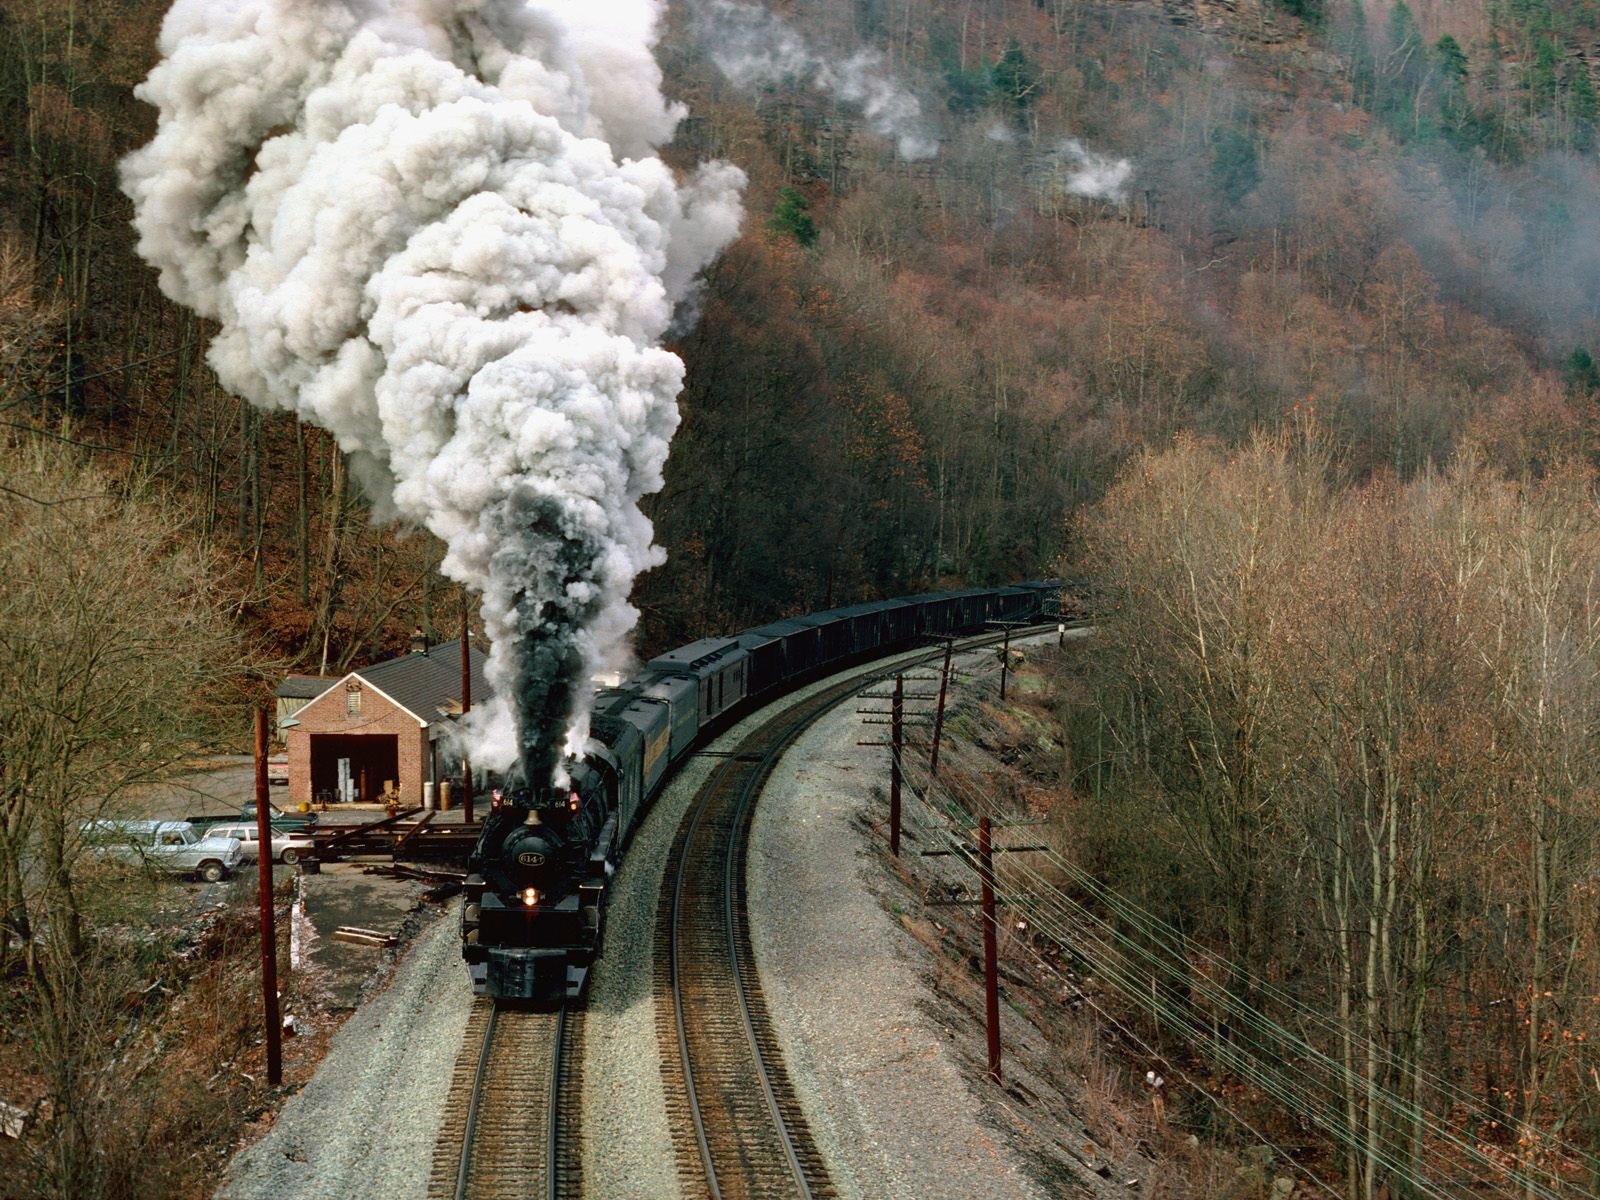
<point>530,896</point>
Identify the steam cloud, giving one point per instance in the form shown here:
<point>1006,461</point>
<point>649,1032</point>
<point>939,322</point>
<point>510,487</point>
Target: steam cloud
<point>1095,175</point>
<point>753,48</point>
<point>438,228</point>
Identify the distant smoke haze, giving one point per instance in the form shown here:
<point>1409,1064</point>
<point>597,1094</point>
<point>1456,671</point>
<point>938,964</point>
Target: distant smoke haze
<point>1094,175</point>
<point>440,231</point>
<point>754,48</point>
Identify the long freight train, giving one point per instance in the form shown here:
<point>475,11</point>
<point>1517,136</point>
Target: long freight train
<point>535,904</point>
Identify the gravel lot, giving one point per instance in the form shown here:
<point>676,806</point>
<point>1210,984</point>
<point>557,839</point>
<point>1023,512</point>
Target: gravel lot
<point>885,1078</point>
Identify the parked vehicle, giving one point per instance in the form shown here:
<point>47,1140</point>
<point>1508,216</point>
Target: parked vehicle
<point>276,815</point>
<point>278,770</point>
<point>170,846</point>
<point>247,813</point>
<point>289,846</point>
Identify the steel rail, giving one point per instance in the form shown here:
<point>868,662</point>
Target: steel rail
<point>695,1114</point>
<point>464,1171</point>
<point>552,1154</point>
<point>732,863</point>
<point>481,1166</point>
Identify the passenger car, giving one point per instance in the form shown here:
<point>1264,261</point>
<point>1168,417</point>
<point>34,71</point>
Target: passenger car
<point>288,845</point>
<point>281,821</point>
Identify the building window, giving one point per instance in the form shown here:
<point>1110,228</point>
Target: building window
<point>352,701</point>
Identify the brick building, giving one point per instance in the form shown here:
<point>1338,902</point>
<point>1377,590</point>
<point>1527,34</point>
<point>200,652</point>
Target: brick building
<point>386,721</point>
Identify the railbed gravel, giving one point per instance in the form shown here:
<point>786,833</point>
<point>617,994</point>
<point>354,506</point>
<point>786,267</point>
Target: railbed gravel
<point>887,1074</point>
<point>892,1103</point>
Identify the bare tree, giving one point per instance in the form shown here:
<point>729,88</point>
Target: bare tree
<point>121,665</point>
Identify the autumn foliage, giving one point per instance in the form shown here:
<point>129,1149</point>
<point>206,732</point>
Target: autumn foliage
<point>1342,736</point>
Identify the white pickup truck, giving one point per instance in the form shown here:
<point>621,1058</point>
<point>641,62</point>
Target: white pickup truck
<point>171,846</point>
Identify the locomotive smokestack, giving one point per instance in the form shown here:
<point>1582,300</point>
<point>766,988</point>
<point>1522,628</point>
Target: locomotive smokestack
<point>441,232</point>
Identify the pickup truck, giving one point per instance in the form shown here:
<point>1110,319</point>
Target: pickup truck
<point>171,846</point>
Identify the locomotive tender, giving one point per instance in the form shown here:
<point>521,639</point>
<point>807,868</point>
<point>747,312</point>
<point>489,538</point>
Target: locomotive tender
<point>533,916</point>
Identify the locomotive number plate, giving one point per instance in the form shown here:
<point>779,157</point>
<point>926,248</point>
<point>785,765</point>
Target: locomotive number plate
<point>529,859</point>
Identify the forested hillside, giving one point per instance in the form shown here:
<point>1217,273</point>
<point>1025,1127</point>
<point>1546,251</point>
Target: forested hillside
<point>1046,235</point>
<point>1276,320</point>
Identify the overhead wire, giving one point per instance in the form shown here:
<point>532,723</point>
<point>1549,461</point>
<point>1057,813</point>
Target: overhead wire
<point>1267,1083</point>
<point>1377,1145</point>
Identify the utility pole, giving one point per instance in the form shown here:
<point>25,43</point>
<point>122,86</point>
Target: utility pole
<point>466,707</point>
<point>269,937</point>
<point>1005,662</point>
<point>991,965</point>
<point>897,718</point>
<point>897,744</point>
<point>938,719</point>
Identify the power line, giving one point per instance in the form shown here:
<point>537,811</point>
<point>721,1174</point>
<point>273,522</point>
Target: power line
<point>1320,1089</point>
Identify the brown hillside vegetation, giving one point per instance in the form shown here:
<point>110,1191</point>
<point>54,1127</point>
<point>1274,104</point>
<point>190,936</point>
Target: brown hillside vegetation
<point>1279,317</point>
<point>1335,787</point>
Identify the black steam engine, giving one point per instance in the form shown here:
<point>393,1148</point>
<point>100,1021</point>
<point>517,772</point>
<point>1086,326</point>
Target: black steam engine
<point>535,897</point>
<point>534,913</point>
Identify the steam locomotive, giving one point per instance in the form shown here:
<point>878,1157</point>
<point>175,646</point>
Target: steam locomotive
<point>533,917</point>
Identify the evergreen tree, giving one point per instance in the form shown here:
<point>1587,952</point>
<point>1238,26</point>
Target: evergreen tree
<point>1235,164</point>
<point>791,215</point>
<point>1015,80</point>
<point>1451,59</point>
<point>1581,372</point>
<point>1363,66</point>
<point>1309,11</point>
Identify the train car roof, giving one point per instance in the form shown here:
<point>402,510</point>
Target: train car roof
<point>696,655</point>
<point>865,609</point>
<point>816,620</point>
<point>779,629</point>
<point>754,639</point>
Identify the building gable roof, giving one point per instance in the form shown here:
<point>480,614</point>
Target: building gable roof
<point>304,687</point>
<point>428,686</point>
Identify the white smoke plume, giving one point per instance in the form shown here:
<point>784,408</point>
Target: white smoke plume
<point>754,48</point>
<point>1095,176</point>
<point>439,229</point>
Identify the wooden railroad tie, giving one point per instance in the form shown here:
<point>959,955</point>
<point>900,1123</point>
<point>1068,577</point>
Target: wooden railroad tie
<point>363,937</point>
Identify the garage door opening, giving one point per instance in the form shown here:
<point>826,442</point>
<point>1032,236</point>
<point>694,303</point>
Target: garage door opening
<point>374,761</point>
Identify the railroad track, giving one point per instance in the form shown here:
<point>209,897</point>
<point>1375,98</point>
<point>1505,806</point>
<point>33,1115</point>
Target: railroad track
<point>511,1114</point>
<point>736,1123</point>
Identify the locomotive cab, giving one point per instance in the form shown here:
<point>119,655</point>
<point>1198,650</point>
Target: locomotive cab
<point>535,890</point>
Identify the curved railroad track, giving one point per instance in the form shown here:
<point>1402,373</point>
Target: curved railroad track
<point>736,1123</point>
<point>509,1131</point>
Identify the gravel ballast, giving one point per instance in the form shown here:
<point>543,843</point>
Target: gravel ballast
<point>884,1091</point>
<point>364,1127</point>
